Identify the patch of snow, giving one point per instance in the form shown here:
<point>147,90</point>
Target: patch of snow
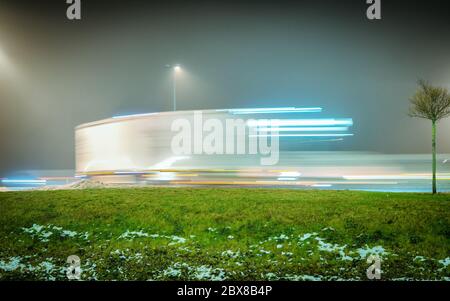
<point>419,258</point>
<point>13,264</point>
<point>377,250</point>
<point>133,234</point>
<point>176,240</point>
<point>445,262</point>
<point>231,254</point>
<point>307,235</point>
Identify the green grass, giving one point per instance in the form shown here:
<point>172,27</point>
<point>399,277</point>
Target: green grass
<point>213,234</point>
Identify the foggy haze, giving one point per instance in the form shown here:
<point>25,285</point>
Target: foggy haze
<point>56,74</point>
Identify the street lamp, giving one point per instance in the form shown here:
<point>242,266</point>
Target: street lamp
<point>176,69</point>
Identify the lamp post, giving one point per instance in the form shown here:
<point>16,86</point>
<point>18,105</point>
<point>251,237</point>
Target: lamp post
<point>175,68</point>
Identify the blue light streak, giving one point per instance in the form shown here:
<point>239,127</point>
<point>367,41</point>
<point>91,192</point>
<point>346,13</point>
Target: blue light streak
<point>272,110</point>
<point>303,129</point>
<point>15,181</point>
<point>301,122</point>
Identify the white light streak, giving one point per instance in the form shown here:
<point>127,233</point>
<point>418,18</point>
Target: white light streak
<point>300,122</point>
<point>304,129</point>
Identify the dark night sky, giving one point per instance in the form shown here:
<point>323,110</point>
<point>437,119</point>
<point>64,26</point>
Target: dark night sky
<point>56,73</point>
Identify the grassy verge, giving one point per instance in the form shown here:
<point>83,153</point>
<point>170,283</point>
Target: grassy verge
<point>216,234</point>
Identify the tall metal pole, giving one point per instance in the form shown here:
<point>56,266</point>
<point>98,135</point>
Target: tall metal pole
<point>174,89</point>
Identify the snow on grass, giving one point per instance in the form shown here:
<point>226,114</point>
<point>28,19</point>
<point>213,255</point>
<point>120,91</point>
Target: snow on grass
<point>127,255</point>
<point>176,240</point>
<point>419,259</point>
<point>445,262</point>
<point>303,278</point>
<point>133,234</point>
<point>68,233</point>
<point>281,237</point>
<point>328,229</point>
<point>201,272</point>
<point>44,233</point>
<point>230,254</point>
<point>274,277</point>
<point>12,264</point>
<point>377,250</point>
<point>333,248</point>
<point>284,249</point>
<point>204,272</point>
<point>130,235</point>
<point>307,236</point>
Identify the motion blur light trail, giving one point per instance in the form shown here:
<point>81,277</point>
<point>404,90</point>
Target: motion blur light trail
<point>296,170</point>
<point>302,122</point>
<point>136,150</point>
<point>272,111</point>
<point>300,170</point>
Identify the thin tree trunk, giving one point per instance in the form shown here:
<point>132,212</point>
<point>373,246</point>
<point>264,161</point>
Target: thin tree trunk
<point>434,157</point>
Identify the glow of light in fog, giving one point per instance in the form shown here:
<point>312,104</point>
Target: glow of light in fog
<point>4,61</point>
<point>304,129</point>
<point>273,110</point>
<point>301,122</point>
<point>6,67</point>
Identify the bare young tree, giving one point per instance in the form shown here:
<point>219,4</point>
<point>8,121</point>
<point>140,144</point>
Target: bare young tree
<point>431,103</point>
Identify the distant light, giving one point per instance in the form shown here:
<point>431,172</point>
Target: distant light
<point>301,122</point>
<point>134,115</point>
<point>177,68</point>
<point>301,135</point>
<point>129,172</point>
<point>14,181</point>
<point>272,110</point>
<point>290,174</point>
<point>304,129</point>
<point>321,185</point>
<point>286,179</point>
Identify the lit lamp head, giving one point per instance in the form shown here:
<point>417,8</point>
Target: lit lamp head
<point>177,68</point>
